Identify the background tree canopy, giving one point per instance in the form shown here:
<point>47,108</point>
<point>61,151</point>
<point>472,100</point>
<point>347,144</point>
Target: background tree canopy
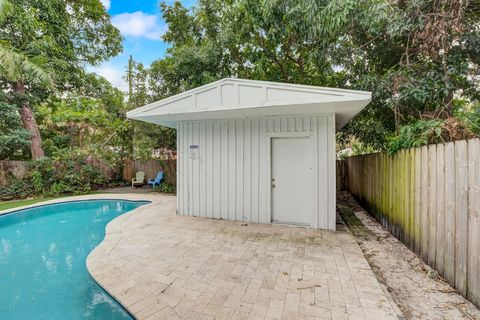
<point>420,59</point>
<point>45,45</point>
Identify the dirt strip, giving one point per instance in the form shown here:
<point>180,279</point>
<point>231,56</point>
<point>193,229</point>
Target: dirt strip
<point>416,288</point>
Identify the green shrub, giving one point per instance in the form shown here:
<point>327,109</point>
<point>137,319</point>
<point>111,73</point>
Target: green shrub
<point>417,134</point>
<point>37,181</point>
<point>48,177</point>
<point>469,114</point>
<point>166,188</point>
<point>18,189</point>
<point>59,188</point>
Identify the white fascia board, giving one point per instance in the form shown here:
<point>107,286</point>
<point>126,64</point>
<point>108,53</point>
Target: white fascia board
<point>343,110</point>
<point>238,98</point>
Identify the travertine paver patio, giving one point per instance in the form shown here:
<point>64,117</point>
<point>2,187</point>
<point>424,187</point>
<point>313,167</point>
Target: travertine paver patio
<point>163,266</point>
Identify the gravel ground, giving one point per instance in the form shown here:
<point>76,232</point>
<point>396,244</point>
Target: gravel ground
<point>414,286</point>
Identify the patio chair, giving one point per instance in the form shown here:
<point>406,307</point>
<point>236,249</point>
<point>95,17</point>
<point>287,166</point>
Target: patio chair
<point>139,179</point>
<point>158,179</point>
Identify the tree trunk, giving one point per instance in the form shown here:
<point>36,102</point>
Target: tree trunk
<point>448,101</point>
<point>29,123</point>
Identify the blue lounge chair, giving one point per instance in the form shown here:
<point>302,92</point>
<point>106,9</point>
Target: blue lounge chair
<point>157,180</point>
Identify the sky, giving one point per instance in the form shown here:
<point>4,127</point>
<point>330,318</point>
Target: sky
<point>141,25</point>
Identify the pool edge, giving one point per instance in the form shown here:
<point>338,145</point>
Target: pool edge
<point>92,264</point>
<point>54,201</point>
<point>150,199</point>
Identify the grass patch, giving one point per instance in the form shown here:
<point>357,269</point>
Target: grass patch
<point>5,205</point>
<point>353,223</point>
<point>20,203</point>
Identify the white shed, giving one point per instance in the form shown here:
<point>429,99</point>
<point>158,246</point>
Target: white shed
<point>257,151</point>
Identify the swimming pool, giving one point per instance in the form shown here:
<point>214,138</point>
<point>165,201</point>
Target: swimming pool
<point>43,251</point>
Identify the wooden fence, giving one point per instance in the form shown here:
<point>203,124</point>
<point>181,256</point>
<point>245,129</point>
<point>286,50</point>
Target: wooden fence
<point>429,198</point>
<point>9,169</point>
<point>151,167</point>
<point>18,169</point>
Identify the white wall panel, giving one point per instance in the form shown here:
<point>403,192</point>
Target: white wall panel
<point>230,178</point>
<point>223,174</point>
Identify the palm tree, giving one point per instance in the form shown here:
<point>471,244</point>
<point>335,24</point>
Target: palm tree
<point>18,68</point>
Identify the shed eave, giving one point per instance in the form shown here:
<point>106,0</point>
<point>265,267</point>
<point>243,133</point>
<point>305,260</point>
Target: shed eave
<point>240,98</point>
<point>342,109</point>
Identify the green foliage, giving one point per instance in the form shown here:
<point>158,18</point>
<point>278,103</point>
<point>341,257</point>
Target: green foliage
<point>70,33</point>
<point>359,44</point>
<point>88,121</point>
<point>419,133</point>
<point>469,114</point>
<point>48,178</point>
<point>18,189</point>
<point>165,187</point>
<point>67,176</point>
<point>14,140</point>
<point>417,58</point>
<point>16,66</point>
<point>147,138</point>
<point>414,56</point>
<point>37,181</point>
<point>44,47</point>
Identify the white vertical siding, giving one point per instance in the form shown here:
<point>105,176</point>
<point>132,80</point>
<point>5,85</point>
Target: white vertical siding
<point>223,173</point>
<point>331,171</point>
<point>230,177</point>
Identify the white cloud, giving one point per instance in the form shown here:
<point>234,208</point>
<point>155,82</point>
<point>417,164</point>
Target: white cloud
<point>106,4</point>
<point>139,24</point>
<point>112,74</point>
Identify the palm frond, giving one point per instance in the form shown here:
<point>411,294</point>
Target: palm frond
<point>37,67</point>
<point>5,9</point>
<point>9,63</point>
<point>15,66</point>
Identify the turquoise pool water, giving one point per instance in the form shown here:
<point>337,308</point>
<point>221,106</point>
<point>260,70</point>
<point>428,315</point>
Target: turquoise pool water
<point>43,251</point>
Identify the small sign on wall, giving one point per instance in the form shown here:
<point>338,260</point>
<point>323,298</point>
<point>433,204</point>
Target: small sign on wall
<point>194,151</point>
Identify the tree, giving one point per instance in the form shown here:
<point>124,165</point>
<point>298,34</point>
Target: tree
<point>146,87</point>
<point>70,33</point>
<point>419,58</point>
<point>14,140</point>
<point>17,68</point>
<point>88,122</point>
<point>262,40</point>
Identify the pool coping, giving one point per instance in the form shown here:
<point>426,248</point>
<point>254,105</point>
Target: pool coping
<point>95,197</point>
<point>44,204</point>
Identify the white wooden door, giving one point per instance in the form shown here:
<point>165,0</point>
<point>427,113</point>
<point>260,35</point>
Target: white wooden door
<point>291,180</point>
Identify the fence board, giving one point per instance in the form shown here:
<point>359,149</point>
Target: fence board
<point>429,198</point>
<point>418,197</point>
<point>407,199</point>
<point>413,199</point>
<point>424,205</point>
<point>432,204</point>
<point>461,225</point>
<point>150,167</point>
<point>473,268</point>
<point>449,208</point>
<point>440,194</point>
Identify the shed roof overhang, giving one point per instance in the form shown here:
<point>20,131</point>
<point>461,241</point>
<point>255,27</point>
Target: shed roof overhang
<point>238,98</point>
